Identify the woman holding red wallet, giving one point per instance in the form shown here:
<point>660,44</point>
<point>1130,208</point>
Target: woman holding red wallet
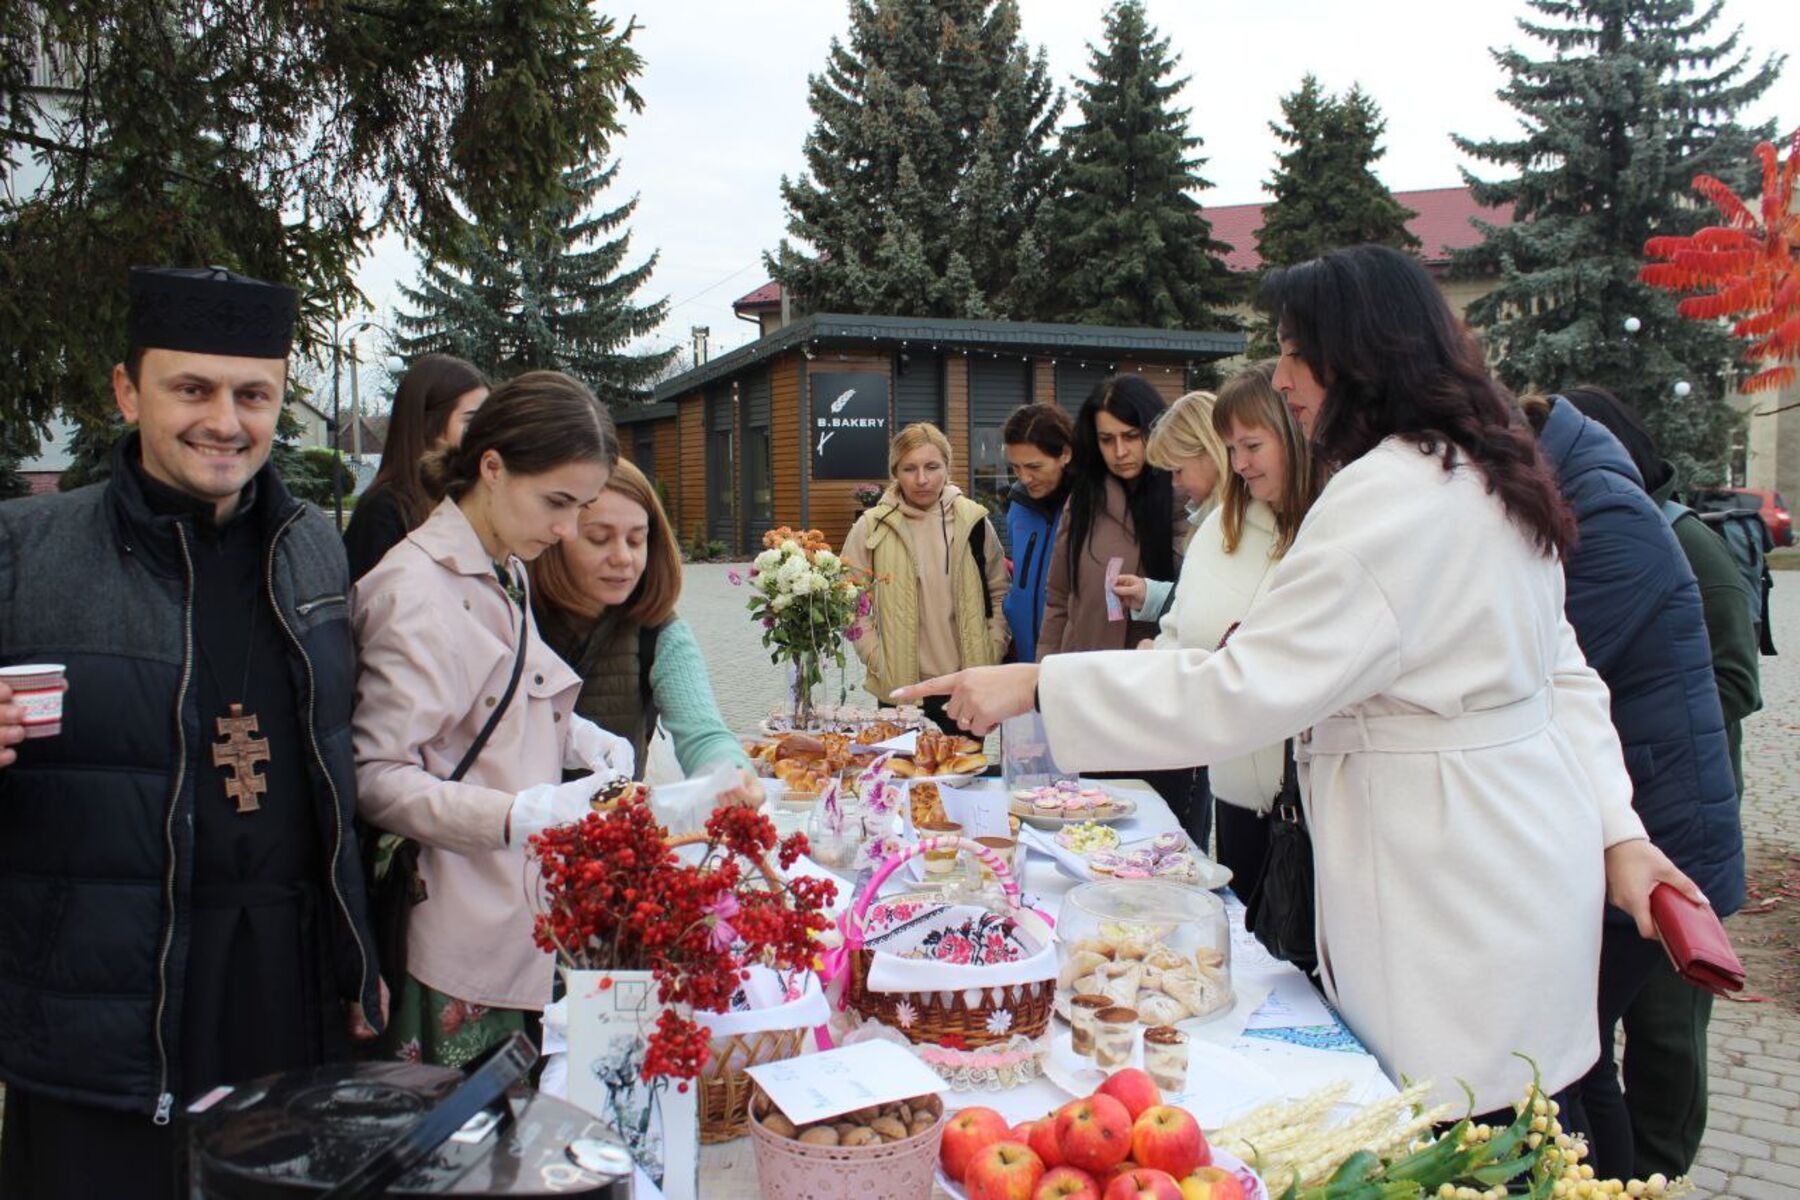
<point>1636,610</point>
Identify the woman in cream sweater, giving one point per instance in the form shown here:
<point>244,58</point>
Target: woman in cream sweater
<point>1271,484</point>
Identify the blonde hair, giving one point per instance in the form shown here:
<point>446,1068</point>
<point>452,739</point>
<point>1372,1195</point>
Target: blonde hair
<point>923,433</point>
<point>652,601</point>
<point>1249,399</point>
<point>1186,431</point>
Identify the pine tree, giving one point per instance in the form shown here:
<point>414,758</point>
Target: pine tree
<point>927,166</point>
<point>1630,103</point>
<point>548,293</point>
<point>1325,189</point>
<point>1129,244</point>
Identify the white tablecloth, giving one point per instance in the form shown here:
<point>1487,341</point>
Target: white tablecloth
<point>1284,1036</point>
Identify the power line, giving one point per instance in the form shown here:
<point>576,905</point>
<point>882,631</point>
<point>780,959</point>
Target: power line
<point>711,287</point>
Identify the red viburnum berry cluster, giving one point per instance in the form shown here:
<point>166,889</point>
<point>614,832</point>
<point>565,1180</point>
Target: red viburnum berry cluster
<point>616,897</point>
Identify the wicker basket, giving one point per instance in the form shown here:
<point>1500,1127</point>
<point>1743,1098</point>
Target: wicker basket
<point>940,1018</point>
<point>724,1087</point>
<point>794,1170</point>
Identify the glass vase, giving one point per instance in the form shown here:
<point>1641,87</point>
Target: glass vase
<point>803,680</point>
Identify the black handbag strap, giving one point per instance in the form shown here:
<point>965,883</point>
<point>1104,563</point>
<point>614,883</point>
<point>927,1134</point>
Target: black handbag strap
<point>512,685</point>
<point>1287,802</point>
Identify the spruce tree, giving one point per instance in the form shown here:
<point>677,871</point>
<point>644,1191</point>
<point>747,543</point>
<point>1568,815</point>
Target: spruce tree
<point>1325,189</point>
<point>1631,99</point>
<point>926,167</point>
<point>546,293</point>
<point>1128,242</point>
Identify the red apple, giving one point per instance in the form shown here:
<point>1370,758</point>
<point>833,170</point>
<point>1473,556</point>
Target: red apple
<point>1124,1168</point>
<point>1132,1088</point>
<point>1212,1183</point>
<point>1066,1183</point>
<point>1169,1139</point>
<point>1093,1134</point>
<point>1021,1133</point>
<point>1144,1184</point>
<point>1044,1143</point>
<point>1003,1171</point>
<point>968,1131</point>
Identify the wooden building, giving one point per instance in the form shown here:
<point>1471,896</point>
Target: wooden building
<point>783,431</point>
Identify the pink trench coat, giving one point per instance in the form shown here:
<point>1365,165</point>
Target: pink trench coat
<point>436,636</point>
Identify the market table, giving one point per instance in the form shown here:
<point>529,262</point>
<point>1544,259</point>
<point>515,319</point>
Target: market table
<point>1292,1036</point>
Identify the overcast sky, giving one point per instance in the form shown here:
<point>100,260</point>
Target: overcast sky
<point>725,110</point>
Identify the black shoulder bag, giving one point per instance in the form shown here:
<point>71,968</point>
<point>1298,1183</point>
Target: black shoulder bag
<point>395,884</point>
<point>1280,911</point>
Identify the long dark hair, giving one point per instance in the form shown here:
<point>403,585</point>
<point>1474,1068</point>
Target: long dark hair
<point>536,422</point>
<point>423,402</point>
<point>1396,361</point>
<point>1150,497</point>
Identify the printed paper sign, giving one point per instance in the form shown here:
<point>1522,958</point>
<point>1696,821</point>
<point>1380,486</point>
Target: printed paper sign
<point>815,1087</point>
<point>980,811</point>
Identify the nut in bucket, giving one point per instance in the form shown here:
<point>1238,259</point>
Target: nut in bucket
<point>38,689</point>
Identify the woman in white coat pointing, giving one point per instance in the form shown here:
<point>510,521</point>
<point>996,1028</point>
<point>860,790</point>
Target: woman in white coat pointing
<point>1469,804</point>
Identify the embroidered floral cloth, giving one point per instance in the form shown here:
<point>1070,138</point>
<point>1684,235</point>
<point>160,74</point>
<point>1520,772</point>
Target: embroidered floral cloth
<point>926,945</point>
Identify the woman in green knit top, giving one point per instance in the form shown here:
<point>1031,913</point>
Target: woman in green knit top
<point>605,601</point>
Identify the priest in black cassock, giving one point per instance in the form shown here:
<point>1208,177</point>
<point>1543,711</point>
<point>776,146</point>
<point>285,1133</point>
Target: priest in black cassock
<point>181,905</point>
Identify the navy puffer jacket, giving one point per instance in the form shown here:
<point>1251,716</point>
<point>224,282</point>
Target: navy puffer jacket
<point>1636,610</point>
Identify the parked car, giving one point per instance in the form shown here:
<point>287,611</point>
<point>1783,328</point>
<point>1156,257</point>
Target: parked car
<point>1764,502</point>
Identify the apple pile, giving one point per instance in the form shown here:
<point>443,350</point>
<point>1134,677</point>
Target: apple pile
<point>1121,1143</point>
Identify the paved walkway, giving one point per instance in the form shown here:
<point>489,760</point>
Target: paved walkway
<point>1752,1147</point>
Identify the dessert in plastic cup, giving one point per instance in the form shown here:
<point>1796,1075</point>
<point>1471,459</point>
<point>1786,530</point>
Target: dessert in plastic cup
<point>38,689</point>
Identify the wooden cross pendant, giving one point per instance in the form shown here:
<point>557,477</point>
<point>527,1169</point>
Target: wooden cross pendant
<point>240,752</point>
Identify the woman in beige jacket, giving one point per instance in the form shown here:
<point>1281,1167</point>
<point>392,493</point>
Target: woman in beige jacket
<point>438,625</point>
<point>939,571</point>
<point>1468,799</point>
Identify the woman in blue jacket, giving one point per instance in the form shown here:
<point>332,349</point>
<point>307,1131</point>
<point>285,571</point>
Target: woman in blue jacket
<point>1635,607</point>
<point>1040,441</point>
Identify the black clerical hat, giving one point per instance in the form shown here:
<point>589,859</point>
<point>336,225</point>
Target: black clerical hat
<point>211,311</point>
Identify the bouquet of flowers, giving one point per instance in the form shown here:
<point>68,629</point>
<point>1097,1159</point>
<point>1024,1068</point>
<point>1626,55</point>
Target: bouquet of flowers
<point>614,896</point>
<point>809,602</point>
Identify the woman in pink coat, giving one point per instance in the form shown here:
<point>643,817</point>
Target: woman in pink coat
<point>438,628</point>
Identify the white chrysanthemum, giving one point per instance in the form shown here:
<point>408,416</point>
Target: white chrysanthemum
<point>768,560</point>
<point>825,560</point>
<point>792,569</point>
<point>781,603</point>
<point>791,547</point>
<point>804,584</point>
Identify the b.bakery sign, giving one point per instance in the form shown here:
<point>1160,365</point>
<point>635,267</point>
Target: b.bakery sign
<point>850,425</point>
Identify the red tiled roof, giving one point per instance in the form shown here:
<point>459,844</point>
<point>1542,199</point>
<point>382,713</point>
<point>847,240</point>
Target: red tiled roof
<point>766,296</point>
<point>1445,222</point>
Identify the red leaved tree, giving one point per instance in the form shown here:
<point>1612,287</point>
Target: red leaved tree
<point>1747,269</point>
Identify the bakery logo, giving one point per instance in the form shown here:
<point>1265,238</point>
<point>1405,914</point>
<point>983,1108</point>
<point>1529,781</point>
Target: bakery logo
<point>850,425</point>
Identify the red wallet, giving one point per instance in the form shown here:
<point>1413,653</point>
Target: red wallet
<point>1696,942</point>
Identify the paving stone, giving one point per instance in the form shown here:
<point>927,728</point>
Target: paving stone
<point>1742,1107</point>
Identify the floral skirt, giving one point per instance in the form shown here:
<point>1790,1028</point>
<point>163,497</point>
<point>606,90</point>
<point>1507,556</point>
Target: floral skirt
<point>430,1027</point>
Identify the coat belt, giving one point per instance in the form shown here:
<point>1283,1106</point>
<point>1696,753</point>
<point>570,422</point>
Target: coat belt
<point>1426,733</point>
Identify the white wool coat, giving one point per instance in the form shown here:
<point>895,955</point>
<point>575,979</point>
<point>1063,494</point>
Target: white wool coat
<point>1216,591</point>
<point>1461,769</point>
